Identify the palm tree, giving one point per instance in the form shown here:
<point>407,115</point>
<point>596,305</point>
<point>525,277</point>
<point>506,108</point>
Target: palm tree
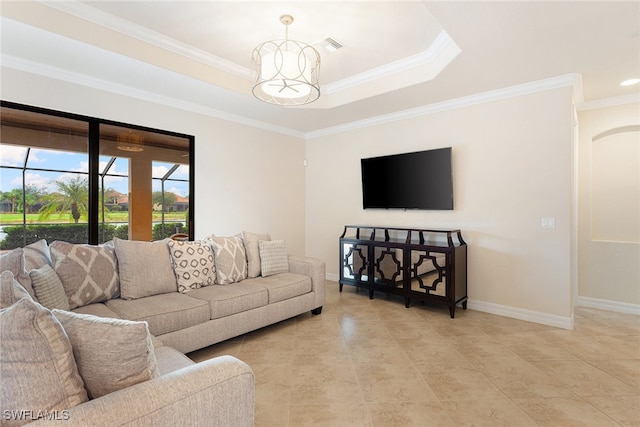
<point>73,197</point>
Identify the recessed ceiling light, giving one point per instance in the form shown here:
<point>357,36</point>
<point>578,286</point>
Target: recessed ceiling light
<point>630,82</point>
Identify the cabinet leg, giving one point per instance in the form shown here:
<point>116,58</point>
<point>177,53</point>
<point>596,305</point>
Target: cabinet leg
<point>341,285</point>
<point>464,304</point>
<point>370,293</point>
<point>407,302</point>
<point>452,311</point>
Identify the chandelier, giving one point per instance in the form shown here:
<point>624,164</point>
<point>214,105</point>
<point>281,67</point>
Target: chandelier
<point>285,72</point>
<point>131,142</point>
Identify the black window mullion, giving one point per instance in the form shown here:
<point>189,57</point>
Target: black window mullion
<point>192,175</point>
<point>94,172</point>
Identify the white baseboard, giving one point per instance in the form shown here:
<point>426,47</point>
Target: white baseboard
<point>507,311</point>
<point>605,304</point>
<point>522,314</point>
<point>332,277</point>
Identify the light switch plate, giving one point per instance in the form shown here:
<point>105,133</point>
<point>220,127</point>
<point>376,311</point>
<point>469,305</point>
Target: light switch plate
<point>547,222</point>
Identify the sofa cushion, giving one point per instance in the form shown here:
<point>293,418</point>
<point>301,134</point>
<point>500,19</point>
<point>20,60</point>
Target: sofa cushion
<point>97,309</point>
<point>48,288</point>
<point>10,290</point>
<point>145,268</point>
<point>37,367</point>
<point>88,273</point>
<point>111,354</point>
<point>228,300</point>
<point>165,312</point>
<point>252,248</point>
<point>231,259</point>
<point>285,285</point>
<point>192,264</point>
<point>170,359</point>
<point>273,257</point>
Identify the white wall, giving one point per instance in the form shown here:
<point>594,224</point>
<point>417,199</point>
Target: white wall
<point>511,167</point>
<point>245,178</point>
<point>609,261</point>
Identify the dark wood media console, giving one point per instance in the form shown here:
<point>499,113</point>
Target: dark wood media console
<point>419,264</point>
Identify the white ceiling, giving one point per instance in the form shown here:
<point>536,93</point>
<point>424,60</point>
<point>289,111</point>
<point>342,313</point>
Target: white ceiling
<point>398,55</point>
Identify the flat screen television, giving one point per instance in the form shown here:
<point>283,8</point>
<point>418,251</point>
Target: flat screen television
<point>418,180</point>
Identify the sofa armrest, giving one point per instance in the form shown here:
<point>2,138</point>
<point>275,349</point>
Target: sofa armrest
<point>313,268</point>
<point>215,392</point>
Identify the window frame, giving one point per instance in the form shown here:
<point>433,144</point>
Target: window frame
<point>93,151</point>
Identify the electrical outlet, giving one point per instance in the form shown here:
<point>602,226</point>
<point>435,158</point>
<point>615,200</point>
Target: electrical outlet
<point>547,222</point>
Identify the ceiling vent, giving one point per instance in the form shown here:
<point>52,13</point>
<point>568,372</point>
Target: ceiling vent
<point>330,45</point>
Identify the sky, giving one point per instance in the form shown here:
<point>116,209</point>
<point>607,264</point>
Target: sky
<point>11,155</point>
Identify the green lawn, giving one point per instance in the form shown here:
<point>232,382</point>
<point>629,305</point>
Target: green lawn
<point>16,218</point>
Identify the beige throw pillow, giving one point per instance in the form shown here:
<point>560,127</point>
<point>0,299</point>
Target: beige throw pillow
<point>111,354</point>
<point>37,367</point>
<point>48,288</point>
<point>252,248</point>
<point>145,268</point>
<point>21,260</point>
<point>192,263</point>
<point>231,259</point>
<point>13,261</point>
<point>10,290</point>
<point>273,256</point>
<point>88,273</point>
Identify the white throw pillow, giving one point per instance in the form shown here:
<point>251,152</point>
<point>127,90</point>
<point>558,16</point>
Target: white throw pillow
<point>273,257</point>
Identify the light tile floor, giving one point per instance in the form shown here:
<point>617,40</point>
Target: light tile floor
<point>374,362</point>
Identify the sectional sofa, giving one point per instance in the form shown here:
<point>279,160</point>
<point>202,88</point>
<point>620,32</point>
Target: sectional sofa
<point>188,295</point>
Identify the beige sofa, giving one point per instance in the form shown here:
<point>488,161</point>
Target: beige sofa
<point>143,281</point>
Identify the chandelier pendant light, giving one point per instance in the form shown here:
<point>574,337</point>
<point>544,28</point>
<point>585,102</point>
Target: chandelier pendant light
<point>286,72</point>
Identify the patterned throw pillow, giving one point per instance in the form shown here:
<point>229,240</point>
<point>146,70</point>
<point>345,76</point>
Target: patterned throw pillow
<point>250,241</point>
<point>193,264</point>
<point>48,288</point>
<point>38,370</point>
<point>111,354</point>
<point>230,258</point>
<point>273,257</point>
<point>88,273</point>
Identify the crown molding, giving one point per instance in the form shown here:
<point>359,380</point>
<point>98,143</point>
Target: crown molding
<point>48,71</point>
<point>89,13</point>
<point>92,14</point>
<point>439,45</point>
<point>481,98</point>
<point>614,101</point>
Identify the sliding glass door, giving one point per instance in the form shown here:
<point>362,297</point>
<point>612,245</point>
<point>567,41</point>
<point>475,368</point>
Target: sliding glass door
<point>86,180</point>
